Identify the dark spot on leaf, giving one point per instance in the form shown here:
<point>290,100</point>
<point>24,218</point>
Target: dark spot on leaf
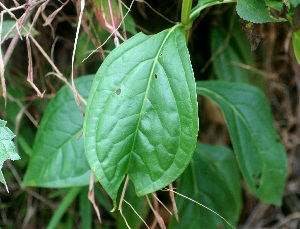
<point>155,76</point>
<point>118,92</point>
<point>257,180</point>
<point>161,54</point>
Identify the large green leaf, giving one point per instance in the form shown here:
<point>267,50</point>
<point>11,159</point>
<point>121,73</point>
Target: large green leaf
<point>141,116</point>
<point>7,148</point>
<point>58,158</point>
<point>212,179</point>
<point>259,151</point>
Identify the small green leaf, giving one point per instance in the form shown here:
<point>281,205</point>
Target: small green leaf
<point>259,151</point>
<point>255,11</point>
<point>8,24</point>
<point>58,158</point>
<point>212,179</point>
<point>296,44</point>
<point>141,116</point>
<point>7,148</point>
<point>295,3</point>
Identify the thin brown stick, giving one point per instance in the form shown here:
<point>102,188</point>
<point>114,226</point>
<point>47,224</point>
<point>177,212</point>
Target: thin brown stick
<point>158,13</point>
<point>166,189</point>
<point>34,122</point>
<point>58,73</point>
<point>121,200</point>
<point>2,64</point>
<point>156,214</point>
<point>137,213</point>
<point>155,196</point>
<point>91,196</point>
<point>221,47</point>
<point>173,202</point>
<point>30,70</point>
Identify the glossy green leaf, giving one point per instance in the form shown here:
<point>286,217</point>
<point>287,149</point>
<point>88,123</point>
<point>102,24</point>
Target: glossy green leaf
<point>139,204</point>
<point>58,158</point>
<point>255,11</point>
<point>212,179</point>
<point>7,148</point>
<point>141,116</point>
<point>296,44</point>
<point>258,148</point>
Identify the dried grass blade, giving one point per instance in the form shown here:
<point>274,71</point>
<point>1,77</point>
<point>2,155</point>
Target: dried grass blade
<point>121,200</point>
<point>136,213</point>
<point>157,216</point>
<point>173,202</point>
<point>91,197</point>
<point>2,64</point>
<point>30,70</point>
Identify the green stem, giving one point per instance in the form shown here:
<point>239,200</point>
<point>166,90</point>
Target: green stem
<point>185,15</point>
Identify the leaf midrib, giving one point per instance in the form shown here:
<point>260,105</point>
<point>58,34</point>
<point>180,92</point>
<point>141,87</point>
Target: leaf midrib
<point>147,89</point>
<point>235,111</point>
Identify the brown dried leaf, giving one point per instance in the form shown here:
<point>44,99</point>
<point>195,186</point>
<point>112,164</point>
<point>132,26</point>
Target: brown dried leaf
<point>251,32</point>
<point>52,16</point>
<point>30,70</point>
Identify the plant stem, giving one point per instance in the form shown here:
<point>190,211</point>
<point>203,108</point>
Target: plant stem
<point>185,15</point>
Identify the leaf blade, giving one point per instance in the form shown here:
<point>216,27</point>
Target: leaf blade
<point>260,153</point>
<point>58,159</point>
<point>135,111</point>
<point>7,148</point>
<point>211,179</point>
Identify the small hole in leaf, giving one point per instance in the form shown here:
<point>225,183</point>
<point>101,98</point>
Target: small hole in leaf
<point>257,180</point>
<point>118,92</point>
<point>161,54</point>
<point>155,76</point>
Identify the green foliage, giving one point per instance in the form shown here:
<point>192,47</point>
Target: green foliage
<point>7,148</point>
<point>8,24</point>
<point>212,179</point>
<point>255,11</point>
<point>232,52</point>
<point>141,120</point>
<point>141,117</point>
<point>296,44</point>
<point>259,151</point>
<point>58,158</point>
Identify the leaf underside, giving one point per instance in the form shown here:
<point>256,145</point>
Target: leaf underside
<point>141,116</point>
<point>58,158</point>
<point>259,151</point>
